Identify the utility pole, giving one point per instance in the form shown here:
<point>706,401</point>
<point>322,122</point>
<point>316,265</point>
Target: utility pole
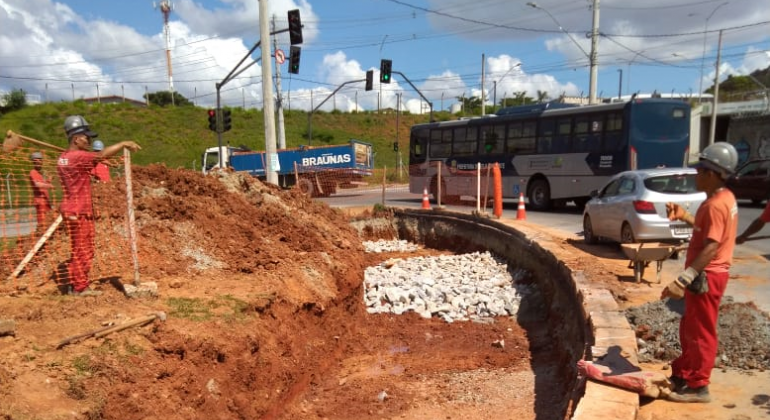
<point>280,132</point>
<point>483,111</point>
<point>594,59</point>
<point>268,109</point>
<point>713,128</point>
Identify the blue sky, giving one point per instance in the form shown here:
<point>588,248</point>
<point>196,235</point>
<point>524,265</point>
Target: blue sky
<point>84,48</point>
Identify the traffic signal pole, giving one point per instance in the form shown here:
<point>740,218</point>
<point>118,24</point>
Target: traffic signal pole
<point>310,114</point>
<point>430,104</point>
<point>272,176</point>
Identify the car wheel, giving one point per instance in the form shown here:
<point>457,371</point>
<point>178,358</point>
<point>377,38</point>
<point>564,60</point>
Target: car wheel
<point>588,231</point>
<point>627,234</point>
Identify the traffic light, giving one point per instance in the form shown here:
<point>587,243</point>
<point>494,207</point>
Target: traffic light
<point>395,146</point>
<point>385,67</point>
<point>212,119</point>
<point>226,120</point>
<point>369,79</point>
<point>295,27</point>
<point>294,53</point>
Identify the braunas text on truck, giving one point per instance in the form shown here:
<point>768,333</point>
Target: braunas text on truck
<point>318,170</point>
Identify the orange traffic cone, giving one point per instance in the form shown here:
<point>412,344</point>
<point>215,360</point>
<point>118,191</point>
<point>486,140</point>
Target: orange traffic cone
<point>425,200</point>
<point>521,214</point>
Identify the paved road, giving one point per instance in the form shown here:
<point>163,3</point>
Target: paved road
<point>751,260</point>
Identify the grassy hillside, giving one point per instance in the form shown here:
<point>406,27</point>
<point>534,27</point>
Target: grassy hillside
<point>176,136</point>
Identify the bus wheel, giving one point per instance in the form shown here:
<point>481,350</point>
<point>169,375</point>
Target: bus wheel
<point>445,199</point>
<point>540,195</point>
<point>588,231</point>
<point>306,186</point>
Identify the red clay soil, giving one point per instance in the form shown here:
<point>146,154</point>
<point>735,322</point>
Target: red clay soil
<point>265,319</point>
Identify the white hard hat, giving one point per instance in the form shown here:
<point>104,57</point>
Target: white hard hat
<point>75,124</point>
<point>36,155</point>
<point>720,157</point>
<point>97,145</point>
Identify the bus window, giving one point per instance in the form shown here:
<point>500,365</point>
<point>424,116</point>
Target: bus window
<point>563,137</point>
<point>493,140</point>
<point>440,143</point>
<point>613,133</point>
<point>545,136</point>
<point>587,135</point>
<point>418,142</point>
<point>463,146</point>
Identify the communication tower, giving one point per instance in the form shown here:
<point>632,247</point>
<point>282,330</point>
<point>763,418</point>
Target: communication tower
<point>165,7</point>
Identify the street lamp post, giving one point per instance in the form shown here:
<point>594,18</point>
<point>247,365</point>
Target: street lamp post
<point>620,83</point>
<point>515,66</point>
<point>628,75</point>
<point>592,57</point>
<point>703,55</point>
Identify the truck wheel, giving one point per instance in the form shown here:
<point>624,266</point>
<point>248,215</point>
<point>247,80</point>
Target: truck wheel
<point>306,186</point>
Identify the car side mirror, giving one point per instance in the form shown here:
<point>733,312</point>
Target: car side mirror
<point>594,193</point>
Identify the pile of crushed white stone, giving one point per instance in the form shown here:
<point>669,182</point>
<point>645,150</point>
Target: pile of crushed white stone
<point>476,286</point>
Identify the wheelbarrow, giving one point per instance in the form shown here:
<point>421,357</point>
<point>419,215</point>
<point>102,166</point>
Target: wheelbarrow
<point>642,254</point>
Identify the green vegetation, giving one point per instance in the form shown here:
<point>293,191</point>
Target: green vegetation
<point>194,309</point>
<point>177,136</point>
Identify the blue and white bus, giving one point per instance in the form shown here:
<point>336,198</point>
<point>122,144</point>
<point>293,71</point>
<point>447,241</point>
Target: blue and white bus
<point>552,153</point>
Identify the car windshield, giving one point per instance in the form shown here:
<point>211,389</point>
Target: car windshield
<point>672,184</point>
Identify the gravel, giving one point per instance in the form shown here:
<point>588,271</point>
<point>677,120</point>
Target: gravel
<point>743,331</point>
<point>476,286</point>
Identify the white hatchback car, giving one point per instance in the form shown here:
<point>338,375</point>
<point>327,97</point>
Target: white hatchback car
<point>632,206</point>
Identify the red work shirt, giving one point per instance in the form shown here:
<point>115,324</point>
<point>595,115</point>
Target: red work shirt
<point>716,219</point>
<point>101,172</point>
<point>40,196</point>
<point>74,168</point>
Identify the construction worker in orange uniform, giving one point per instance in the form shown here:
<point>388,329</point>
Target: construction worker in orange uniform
<point>704,279</point>
<point>41,196</point>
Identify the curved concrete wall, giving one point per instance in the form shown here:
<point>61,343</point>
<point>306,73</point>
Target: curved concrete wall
<point>585,322</point>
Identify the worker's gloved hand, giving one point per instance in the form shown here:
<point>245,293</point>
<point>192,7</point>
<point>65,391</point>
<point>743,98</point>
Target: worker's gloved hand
<point>675,289</point>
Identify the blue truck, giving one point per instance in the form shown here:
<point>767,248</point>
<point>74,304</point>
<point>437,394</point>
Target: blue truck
<point>317,170</point>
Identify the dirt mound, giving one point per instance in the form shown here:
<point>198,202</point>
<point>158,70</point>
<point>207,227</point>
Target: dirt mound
<point>743,330</point>
<point>262,288</point>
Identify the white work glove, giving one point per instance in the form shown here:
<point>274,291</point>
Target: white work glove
<point>675,289</point>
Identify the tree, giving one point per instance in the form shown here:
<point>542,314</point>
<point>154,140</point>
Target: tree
<point>14,100</point>
<point>520,97</point>
<point>471,105</point>
<point>542,96</point>
<point>163,98</point>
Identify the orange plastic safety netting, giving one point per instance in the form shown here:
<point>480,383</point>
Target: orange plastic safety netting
<point>38,241</point>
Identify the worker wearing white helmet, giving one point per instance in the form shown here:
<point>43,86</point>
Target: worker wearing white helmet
<point>41,196</point>
<point>704,279</point>
<point>74,168</point>
<point>101,173</point>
